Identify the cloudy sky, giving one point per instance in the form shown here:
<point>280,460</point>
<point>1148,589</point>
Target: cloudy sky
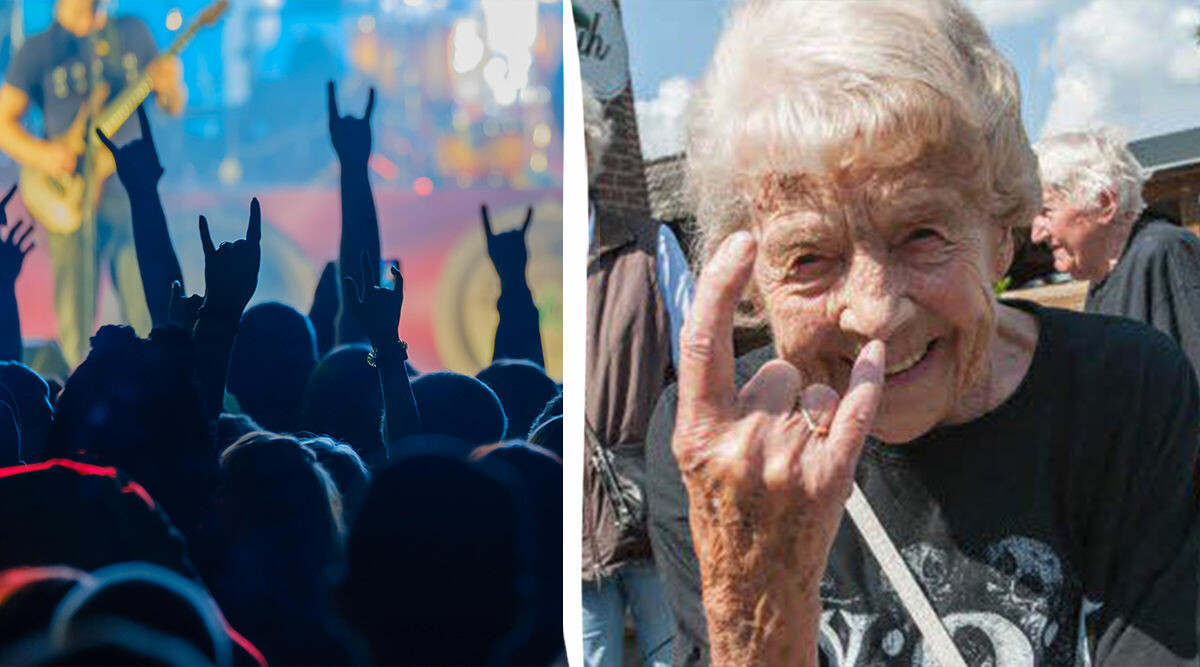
<point>1131,64</point>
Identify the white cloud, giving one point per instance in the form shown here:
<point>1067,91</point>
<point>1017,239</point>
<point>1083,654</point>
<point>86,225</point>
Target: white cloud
<point>660,120</point>
<point>1003,13</point>
<point>1135,65</point>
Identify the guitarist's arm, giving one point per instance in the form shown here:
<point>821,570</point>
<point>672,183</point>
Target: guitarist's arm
<point>20,145</point>
<point>139,170</point>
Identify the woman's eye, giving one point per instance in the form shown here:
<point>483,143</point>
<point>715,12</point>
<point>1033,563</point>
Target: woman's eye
<point>924,238</point>
<point>811,266</point>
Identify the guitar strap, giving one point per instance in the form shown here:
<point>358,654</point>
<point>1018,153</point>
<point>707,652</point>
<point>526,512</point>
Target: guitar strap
<point>937,638</point>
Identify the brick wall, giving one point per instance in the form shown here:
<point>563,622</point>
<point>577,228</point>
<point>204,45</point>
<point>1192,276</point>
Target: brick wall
<point>622,183</point>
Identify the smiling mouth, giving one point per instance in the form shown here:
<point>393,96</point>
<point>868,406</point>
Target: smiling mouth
<point>901,365</point>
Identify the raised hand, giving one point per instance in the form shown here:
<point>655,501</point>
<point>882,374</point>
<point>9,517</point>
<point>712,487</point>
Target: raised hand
<point>13,247</point>
<point>768,470</point>
<point>137,162</point>
<point>507,249</point>
<point>377,309</point>
<point>351,136</point>
<point>183,310</point>
<point>231,271</point>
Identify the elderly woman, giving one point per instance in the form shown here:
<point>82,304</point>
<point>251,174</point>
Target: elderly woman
<point>1021,480</point>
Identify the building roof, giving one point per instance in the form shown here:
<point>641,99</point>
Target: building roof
<point>1166,151</point>
<point>664,181</point>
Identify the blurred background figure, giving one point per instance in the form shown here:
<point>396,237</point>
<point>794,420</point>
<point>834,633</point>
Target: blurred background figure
<point>468,111</point>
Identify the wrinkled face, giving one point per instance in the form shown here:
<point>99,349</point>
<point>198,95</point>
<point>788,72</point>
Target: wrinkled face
<point>909,260</point>
<point>1075,235</point>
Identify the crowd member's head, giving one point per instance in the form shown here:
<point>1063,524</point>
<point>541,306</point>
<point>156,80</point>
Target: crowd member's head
<point>10,434</point>
<point>83,516</point>
<point>435,569</point>
<point>597,133</point>
<point>549,434</point>
<point>281,515</point>
<point>523,389</point>
<point>346,468</point>
<point>877,179</point>
<point>459,406</point>
<point>274,495</point>
<point>542,475</point>
<point>553,408</point>
<point>135,403</point>
<point>1091,196</point>
<point>150,596</point>
<point>343,400</point>
<point>275,350</point>
<point>31,404</point>
<point>29,596</point>
<point>232,426</point>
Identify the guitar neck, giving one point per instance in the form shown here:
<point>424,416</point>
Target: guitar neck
<point>122,107</point>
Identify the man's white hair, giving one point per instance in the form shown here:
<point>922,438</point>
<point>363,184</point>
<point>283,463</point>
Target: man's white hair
<point>597,132</point>
<point>1081,165</point>
<point>821,89</point>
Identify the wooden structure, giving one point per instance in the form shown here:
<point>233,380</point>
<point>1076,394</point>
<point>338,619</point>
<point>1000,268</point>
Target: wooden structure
<point>1173,161</point>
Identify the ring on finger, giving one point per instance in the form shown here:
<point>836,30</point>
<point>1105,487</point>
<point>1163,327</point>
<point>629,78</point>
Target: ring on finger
<point>813,426</point>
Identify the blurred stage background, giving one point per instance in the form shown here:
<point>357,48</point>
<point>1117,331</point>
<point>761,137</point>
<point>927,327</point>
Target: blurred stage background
<point>468,111</point>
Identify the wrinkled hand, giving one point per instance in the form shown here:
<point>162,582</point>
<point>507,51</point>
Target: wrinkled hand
<point>13,247</point>
<point>231,271</point>
<point>767,482</point>
<point>507,249</point>
<point>351,136</point>
<point>183,310</point>
<point>377,309</point>
<point>137,162</point>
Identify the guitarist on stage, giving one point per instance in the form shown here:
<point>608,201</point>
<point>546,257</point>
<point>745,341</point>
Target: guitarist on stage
<point>58,70</point>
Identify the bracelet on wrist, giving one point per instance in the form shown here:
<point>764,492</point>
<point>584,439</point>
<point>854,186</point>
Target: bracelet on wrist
<point>397,349</point>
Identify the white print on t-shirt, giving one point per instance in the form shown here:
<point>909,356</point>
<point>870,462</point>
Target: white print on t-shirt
<point>1015,606</point>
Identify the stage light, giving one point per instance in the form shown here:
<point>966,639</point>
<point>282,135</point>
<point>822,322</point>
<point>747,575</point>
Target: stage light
<point>538,162</point>
<point>423,186</point>
<point>174,20</point>
<point>541,135</point>
<point>366,23</point>
<point>468,47</point>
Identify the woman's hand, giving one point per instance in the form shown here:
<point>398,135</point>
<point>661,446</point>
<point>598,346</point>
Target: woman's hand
<point>768,470</point>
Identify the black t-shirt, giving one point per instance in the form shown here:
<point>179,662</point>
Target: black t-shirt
<point>1075,497</point>
<point>53,68</point>
<point>1156,281</point>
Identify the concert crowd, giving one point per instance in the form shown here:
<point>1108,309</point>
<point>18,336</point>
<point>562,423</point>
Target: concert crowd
<point>266,486</point>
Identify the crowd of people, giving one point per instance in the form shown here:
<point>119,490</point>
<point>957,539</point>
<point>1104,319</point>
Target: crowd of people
<point>255,486</point>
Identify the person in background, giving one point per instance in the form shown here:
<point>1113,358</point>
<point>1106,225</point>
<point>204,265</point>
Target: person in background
<point>633,320</point>
<point>50,71</point>
<point>1092,218</point>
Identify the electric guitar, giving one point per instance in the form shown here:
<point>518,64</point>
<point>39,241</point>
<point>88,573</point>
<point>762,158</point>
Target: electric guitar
<point>63,204</point>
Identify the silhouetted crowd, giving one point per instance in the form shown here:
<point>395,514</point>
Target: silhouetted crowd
<point>254,486</point>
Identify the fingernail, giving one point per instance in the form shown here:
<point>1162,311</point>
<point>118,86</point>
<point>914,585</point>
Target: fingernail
<point>738,245</point>
<point>874,349</point>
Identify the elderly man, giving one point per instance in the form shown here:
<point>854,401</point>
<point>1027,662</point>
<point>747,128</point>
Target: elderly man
<point>1019,482</point>
<point>1139,267</point>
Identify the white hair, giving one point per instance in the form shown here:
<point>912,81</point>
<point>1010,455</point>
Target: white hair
<point>597,132</point>
<point>1081,165</point>
<point>824,89</point>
